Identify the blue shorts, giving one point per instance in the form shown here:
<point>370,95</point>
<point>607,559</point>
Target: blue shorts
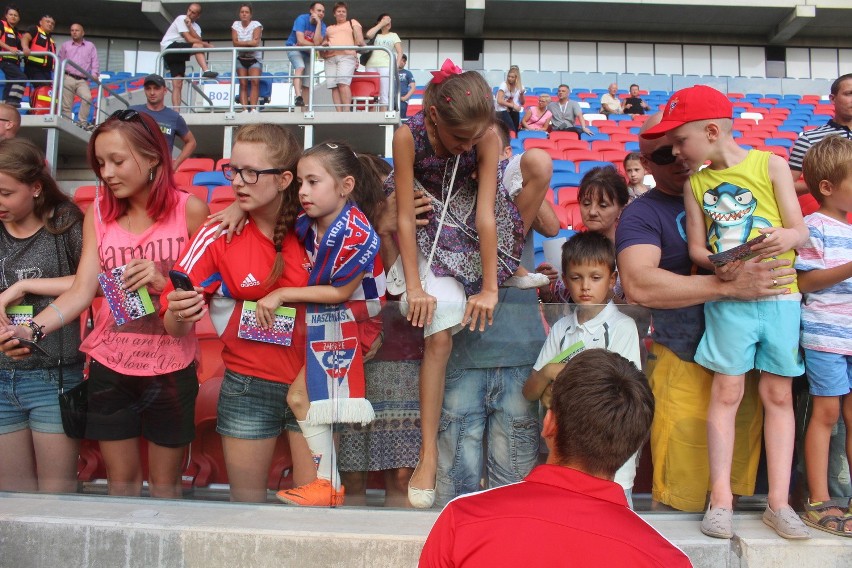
<point>762,335</point>
<point>253,409</point>
<point>829,374</point>
<point>29,398</point>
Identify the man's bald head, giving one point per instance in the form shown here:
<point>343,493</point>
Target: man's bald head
<point>10,121</point>
<point>670,178</point>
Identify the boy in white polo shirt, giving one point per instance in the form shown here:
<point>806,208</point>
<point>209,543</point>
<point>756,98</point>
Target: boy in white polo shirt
<point>588,268</point>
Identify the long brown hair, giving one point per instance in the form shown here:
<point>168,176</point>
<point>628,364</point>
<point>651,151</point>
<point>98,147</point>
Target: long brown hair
<point>23,161</point>
<point>282,151</point>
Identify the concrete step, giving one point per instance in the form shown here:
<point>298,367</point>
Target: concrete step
<point>89,531</point>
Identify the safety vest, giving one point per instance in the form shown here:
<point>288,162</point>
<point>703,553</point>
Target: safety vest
<point>41,42</point>
<point>12,38</point>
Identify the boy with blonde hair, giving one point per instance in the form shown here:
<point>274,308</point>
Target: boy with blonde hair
<point>741,195</point>
<point>825,280</point>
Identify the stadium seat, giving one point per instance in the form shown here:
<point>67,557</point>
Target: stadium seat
<point>614,156</point>
<point>561,165</point>
<point>571,144</point>
<point>566,194</point>
<point>527,134</point>
<point>581,155</point>
<point>196,165</point>
<point>538,143</point>
<point>562,135</point>
<point>601,145</point>
<point>584,167</point>
<point>84,196</point>
<point>365,91</point>
<point>198,191</point>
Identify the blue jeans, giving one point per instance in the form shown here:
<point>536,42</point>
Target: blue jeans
<point>485,414</point>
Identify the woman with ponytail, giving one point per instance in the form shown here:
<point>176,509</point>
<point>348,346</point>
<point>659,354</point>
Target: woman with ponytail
<point>252,412</point>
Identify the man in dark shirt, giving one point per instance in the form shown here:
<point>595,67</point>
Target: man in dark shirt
<point>633,104</point>
<point>171,122</point>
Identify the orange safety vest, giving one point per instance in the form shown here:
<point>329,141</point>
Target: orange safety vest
<point>41,42</point>
<point>12,38</point>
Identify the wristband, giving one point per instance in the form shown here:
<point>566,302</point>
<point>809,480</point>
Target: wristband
<point>38,330</point>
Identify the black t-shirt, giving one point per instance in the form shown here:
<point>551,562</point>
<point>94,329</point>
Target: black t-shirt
<point>633,105</point>
<point>45,255</point>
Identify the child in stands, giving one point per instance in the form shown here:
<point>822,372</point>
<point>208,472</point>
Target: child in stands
<point>473,241</point>
<point>142,382</point>
<point>264,256</point>
<point>825,279</point>
<point>740,195</point>
<point>635,175</point>
<point>345,290</point>
<point>40,240</point>
<point>588,269</point>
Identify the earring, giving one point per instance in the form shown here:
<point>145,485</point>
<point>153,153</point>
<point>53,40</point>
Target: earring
<point>151,174</point>
<point>36,195</point>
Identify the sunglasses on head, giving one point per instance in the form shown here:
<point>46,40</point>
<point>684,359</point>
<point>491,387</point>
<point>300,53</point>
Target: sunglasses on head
<point>662,156</point>
<point>128,115</point>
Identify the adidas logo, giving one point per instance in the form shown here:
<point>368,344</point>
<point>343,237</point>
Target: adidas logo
<point>249,281</point>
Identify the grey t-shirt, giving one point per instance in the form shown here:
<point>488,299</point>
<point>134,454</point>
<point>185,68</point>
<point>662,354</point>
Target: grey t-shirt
<point>45,255</point>
<point>171,122</point>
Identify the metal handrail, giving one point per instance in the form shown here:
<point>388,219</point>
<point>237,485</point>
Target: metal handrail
<point>392,67</point>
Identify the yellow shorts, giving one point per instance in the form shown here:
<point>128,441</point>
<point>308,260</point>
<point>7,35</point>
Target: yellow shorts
<point>679,432</point>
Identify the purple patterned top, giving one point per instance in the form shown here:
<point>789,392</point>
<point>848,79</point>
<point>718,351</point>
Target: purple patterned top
<point>457,253</point>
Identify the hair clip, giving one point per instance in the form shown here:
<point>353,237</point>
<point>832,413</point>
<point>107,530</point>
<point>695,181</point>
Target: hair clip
<point>449,99</point>
<point>468,93</point>
<point>332,146</point>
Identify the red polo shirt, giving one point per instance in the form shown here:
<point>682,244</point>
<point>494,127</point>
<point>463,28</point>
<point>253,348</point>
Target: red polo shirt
<point>557,516</point>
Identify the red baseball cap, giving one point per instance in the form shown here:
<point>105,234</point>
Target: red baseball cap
<point>688,105</point>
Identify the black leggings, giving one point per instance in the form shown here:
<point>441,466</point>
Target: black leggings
<point>13,92</point>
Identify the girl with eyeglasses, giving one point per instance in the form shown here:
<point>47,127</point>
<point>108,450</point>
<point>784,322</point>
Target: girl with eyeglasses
<point>40,240</point>
<point>142,382</point>
<point>228,273</point>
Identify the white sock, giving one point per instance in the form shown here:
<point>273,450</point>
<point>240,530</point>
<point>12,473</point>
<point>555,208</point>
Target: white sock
<point>321,443</point>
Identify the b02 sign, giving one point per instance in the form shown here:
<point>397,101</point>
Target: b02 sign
<point>220,95</point>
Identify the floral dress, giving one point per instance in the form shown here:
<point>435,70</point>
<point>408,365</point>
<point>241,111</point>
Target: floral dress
<point>457,252</point>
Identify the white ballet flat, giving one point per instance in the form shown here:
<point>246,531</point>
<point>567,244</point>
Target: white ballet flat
<point>421,498</point>
<point>527,281</point>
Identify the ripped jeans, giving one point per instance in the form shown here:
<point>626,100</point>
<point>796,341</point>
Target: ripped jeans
<point>485,417</point>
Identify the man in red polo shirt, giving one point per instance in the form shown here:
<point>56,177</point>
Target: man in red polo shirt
<point>568,512</point>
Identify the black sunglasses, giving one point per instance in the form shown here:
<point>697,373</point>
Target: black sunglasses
<point>662,156</point>
<point>128,114</point>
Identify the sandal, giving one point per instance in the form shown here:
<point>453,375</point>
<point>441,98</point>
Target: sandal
<point>817,515</point>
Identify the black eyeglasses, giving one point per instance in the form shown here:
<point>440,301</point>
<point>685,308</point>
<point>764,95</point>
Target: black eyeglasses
<point>249,175</point>
<point>662,156</point>
<point>128,114</point>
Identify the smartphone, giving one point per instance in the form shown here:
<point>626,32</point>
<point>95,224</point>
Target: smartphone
<point>32,345</point>
<point>181,281</point>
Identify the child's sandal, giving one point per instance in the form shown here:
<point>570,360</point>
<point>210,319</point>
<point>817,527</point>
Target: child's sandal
<point>817,515</point>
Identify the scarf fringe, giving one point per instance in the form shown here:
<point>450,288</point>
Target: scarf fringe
<point>347,411</point>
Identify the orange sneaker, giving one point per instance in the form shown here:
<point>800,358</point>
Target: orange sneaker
<point>317,493</point>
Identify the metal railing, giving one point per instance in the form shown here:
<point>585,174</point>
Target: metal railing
<point>312,78</point>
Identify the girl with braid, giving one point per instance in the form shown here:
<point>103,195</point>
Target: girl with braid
<point>251,410</point>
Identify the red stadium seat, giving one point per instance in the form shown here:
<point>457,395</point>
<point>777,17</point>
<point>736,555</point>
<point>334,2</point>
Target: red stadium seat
<point>571,144</point>
<point>84,196</point>
<point>538,143</point>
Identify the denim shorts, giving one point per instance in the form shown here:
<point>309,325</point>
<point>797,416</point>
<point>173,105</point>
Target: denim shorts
<point>299,59</point>
<point>29,398</point>
<point>829,374</point>
<point>253,409</point>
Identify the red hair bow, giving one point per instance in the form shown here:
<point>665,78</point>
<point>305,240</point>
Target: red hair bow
<point>447,70</point>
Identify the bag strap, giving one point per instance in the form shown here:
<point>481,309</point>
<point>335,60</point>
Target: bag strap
<point>443,213</point>
<point>61,327</point>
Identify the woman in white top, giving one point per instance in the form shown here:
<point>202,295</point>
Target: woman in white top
<point>379,61</point>
<point>246,32</point>
<point>510,98</point>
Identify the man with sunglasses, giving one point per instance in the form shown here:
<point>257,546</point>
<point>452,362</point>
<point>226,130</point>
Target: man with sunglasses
<point>171,123</point>
<point>656,272</point>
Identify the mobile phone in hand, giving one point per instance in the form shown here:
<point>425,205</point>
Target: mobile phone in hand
<point>32,345</point>
<point>181,281</point>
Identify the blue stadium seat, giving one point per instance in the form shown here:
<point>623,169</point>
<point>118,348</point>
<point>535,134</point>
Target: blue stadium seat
<point>524,134</point>
<point>586,166</point>
<point>778,142</point>
<point>564,166</point>
<point>631,146</point>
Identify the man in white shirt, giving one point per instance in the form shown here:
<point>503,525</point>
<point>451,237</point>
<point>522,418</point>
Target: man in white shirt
<point>610,103</point>
<point>184,33</point>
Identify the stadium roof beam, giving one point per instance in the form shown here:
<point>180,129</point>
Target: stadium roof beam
<point>474,18</point>
<point>158,15</point>
<point>797,19</point>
